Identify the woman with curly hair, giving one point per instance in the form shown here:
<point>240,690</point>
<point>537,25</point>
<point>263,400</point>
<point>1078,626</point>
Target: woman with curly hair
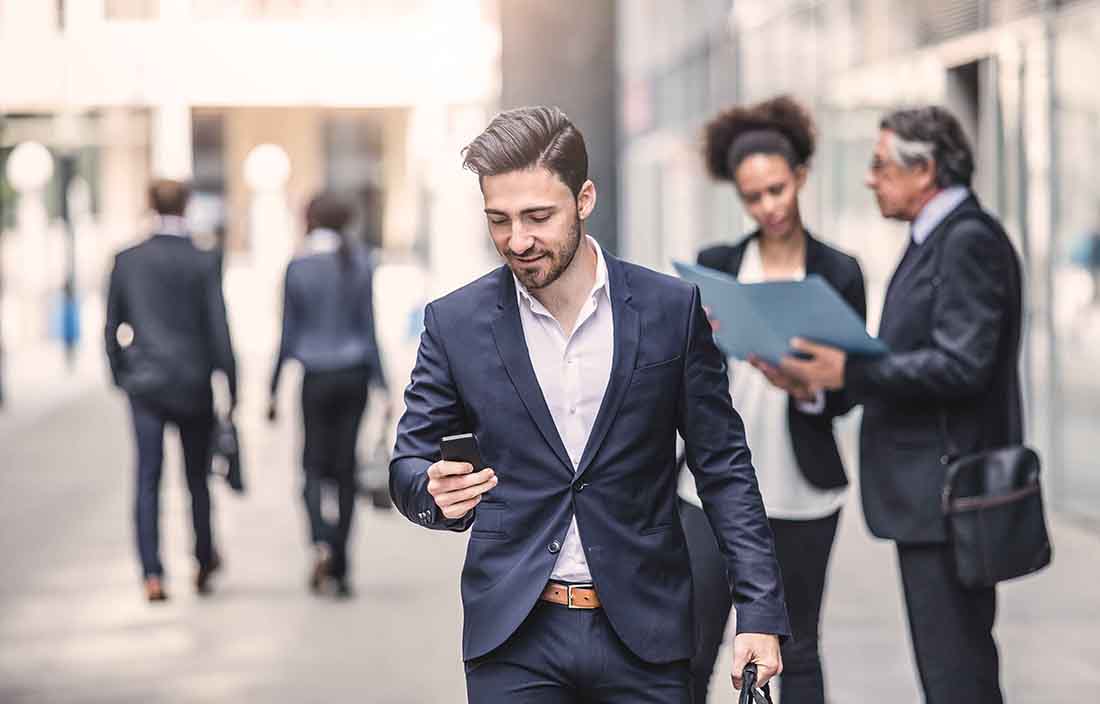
<point>764,150</point>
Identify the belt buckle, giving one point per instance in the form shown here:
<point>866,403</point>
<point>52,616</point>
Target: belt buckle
<point>569,591</point>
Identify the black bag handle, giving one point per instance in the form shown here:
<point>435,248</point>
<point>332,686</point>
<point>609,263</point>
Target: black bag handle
<point>750,693</point>
<point>951,449</point>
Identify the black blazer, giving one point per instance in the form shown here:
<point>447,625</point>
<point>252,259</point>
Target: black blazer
<point>811,435</point>
<point>473,373</point>
<point>951,319</point>
<point>170,294</point>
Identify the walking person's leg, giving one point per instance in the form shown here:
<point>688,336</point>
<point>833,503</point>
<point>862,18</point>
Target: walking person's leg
<point>348,415</point>
<point>195,435</point>
<point>803,549</point>
<point>315,441</point>
<point>711,595</point>
<point>951,628</point>
<point>149,439</point>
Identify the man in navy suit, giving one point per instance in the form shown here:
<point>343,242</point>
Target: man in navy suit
<point>575,370</point>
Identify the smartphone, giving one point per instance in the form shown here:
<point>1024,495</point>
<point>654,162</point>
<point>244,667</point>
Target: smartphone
<point>462,448</point>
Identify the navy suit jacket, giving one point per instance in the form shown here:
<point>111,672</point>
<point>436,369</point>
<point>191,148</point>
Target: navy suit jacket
<point>474,374</point>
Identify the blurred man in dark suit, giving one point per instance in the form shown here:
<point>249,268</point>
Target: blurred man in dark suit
<point>951,319</point>
<point>166,333</point>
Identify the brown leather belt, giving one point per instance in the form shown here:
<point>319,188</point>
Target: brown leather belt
<point>575,596</point>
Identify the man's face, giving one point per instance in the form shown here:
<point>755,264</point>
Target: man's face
<point>900,191</point>
<point>535,222</point>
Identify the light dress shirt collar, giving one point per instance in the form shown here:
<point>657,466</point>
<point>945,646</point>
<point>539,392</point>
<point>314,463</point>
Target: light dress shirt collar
<point>936,211</point>
<point>322,240</point>
<point>172,225</point>
<point>524,296</point>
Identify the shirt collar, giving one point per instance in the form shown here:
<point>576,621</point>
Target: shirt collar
<point>601,281</point>
<point>172,225</point>
<point>936,211</point>
<point>321,240</point>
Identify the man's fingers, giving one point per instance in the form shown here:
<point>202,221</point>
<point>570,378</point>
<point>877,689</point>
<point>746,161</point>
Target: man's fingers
<point>768,667</point>
<point>741,657</point>
<point>797,368</point>
<point>800,345</point>
<point>447,484</point>
<point>446,468</point>
<point>460,509</point>
<point>462,495</point>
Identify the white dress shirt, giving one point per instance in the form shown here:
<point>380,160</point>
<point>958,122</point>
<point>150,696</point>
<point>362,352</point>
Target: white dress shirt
<point>786,492</point>
<point>171,225</point>
<point>572,371</point>
<point>936,210</point>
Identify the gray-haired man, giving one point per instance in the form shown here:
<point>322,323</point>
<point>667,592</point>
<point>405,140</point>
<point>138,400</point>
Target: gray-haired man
<point>952,321</point>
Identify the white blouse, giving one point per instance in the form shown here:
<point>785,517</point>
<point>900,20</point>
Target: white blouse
<point>763,408</point>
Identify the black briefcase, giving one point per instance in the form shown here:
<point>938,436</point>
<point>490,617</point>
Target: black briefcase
<point>993,506</point>
<point>750,693</point>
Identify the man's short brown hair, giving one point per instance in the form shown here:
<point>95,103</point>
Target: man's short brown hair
<point>530,137</point>
<point>168,197</point>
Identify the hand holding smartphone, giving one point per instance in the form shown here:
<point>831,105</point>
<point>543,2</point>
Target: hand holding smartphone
<point>459,480</point>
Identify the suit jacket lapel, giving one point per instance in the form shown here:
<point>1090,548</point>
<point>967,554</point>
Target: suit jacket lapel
<point>512,346</point>
<point>914,260</point>
<point>627,326</point>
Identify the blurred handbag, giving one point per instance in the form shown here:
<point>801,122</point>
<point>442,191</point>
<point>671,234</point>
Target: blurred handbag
<point>750,693</point>
<point>374,471</point>
<point>225,453</point>
<point>993,506</point>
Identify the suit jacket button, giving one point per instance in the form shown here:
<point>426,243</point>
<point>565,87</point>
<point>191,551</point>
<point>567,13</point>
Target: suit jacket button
<point>945,460</point>
<point>554,547</point>
<point>579,487</point>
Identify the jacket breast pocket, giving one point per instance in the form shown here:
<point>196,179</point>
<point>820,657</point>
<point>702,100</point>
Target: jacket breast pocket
<point>657,369</point>
<point>489,522</point>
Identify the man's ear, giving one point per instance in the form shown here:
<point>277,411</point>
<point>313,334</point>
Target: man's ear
<point>927,170</point>
<point>586,200</point>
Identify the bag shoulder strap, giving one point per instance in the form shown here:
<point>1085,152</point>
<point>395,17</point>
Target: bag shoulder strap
<point>978,214</point>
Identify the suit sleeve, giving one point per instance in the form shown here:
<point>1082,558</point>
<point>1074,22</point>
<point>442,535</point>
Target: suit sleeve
<point>115,316</point>
<point>221,344</point>
<point>967,317</point>
<point>718,456</point>
<point>433,410</point>
<point>837,403</point>
<point>286,336</point>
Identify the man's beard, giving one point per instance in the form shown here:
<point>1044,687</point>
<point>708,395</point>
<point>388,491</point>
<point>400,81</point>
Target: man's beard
<point>559,261</point>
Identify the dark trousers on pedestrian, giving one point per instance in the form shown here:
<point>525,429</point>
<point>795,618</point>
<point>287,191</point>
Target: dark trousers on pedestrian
<point>802,549</point>
<point>333,403</point>
<point>572,656</point>
<point>951,628</point>
<point>195,431</point>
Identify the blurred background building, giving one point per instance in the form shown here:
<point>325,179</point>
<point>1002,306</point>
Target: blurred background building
<point>1013,70</point>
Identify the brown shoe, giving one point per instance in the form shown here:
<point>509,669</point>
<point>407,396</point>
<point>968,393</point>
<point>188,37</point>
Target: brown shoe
<point>202,579</point>
<point>321,566</point>
<point>154,589</point>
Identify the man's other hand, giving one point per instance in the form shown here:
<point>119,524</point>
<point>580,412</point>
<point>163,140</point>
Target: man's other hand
<point>759,648</point>
<point>456,488</point>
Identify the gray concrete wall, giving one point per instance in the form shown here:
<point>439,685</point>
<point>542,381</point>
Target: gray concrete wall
<point>563,53</point>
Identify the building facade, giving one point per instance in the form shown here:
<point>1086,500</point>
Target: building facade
<point>260,103</point>
<point>1017,72</point>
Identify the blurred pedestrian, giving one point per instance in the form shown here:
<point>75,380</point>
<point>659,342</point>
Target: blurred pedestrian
<point>328,326</point>
<point>574,370</point>
<point>166,333</point>
<point>951,319</point>
<point>764,150</point>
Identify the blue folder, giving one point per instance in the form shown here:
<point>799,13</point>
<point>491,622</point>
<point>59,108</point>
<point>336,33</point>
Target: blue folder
<point>762,318</point>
